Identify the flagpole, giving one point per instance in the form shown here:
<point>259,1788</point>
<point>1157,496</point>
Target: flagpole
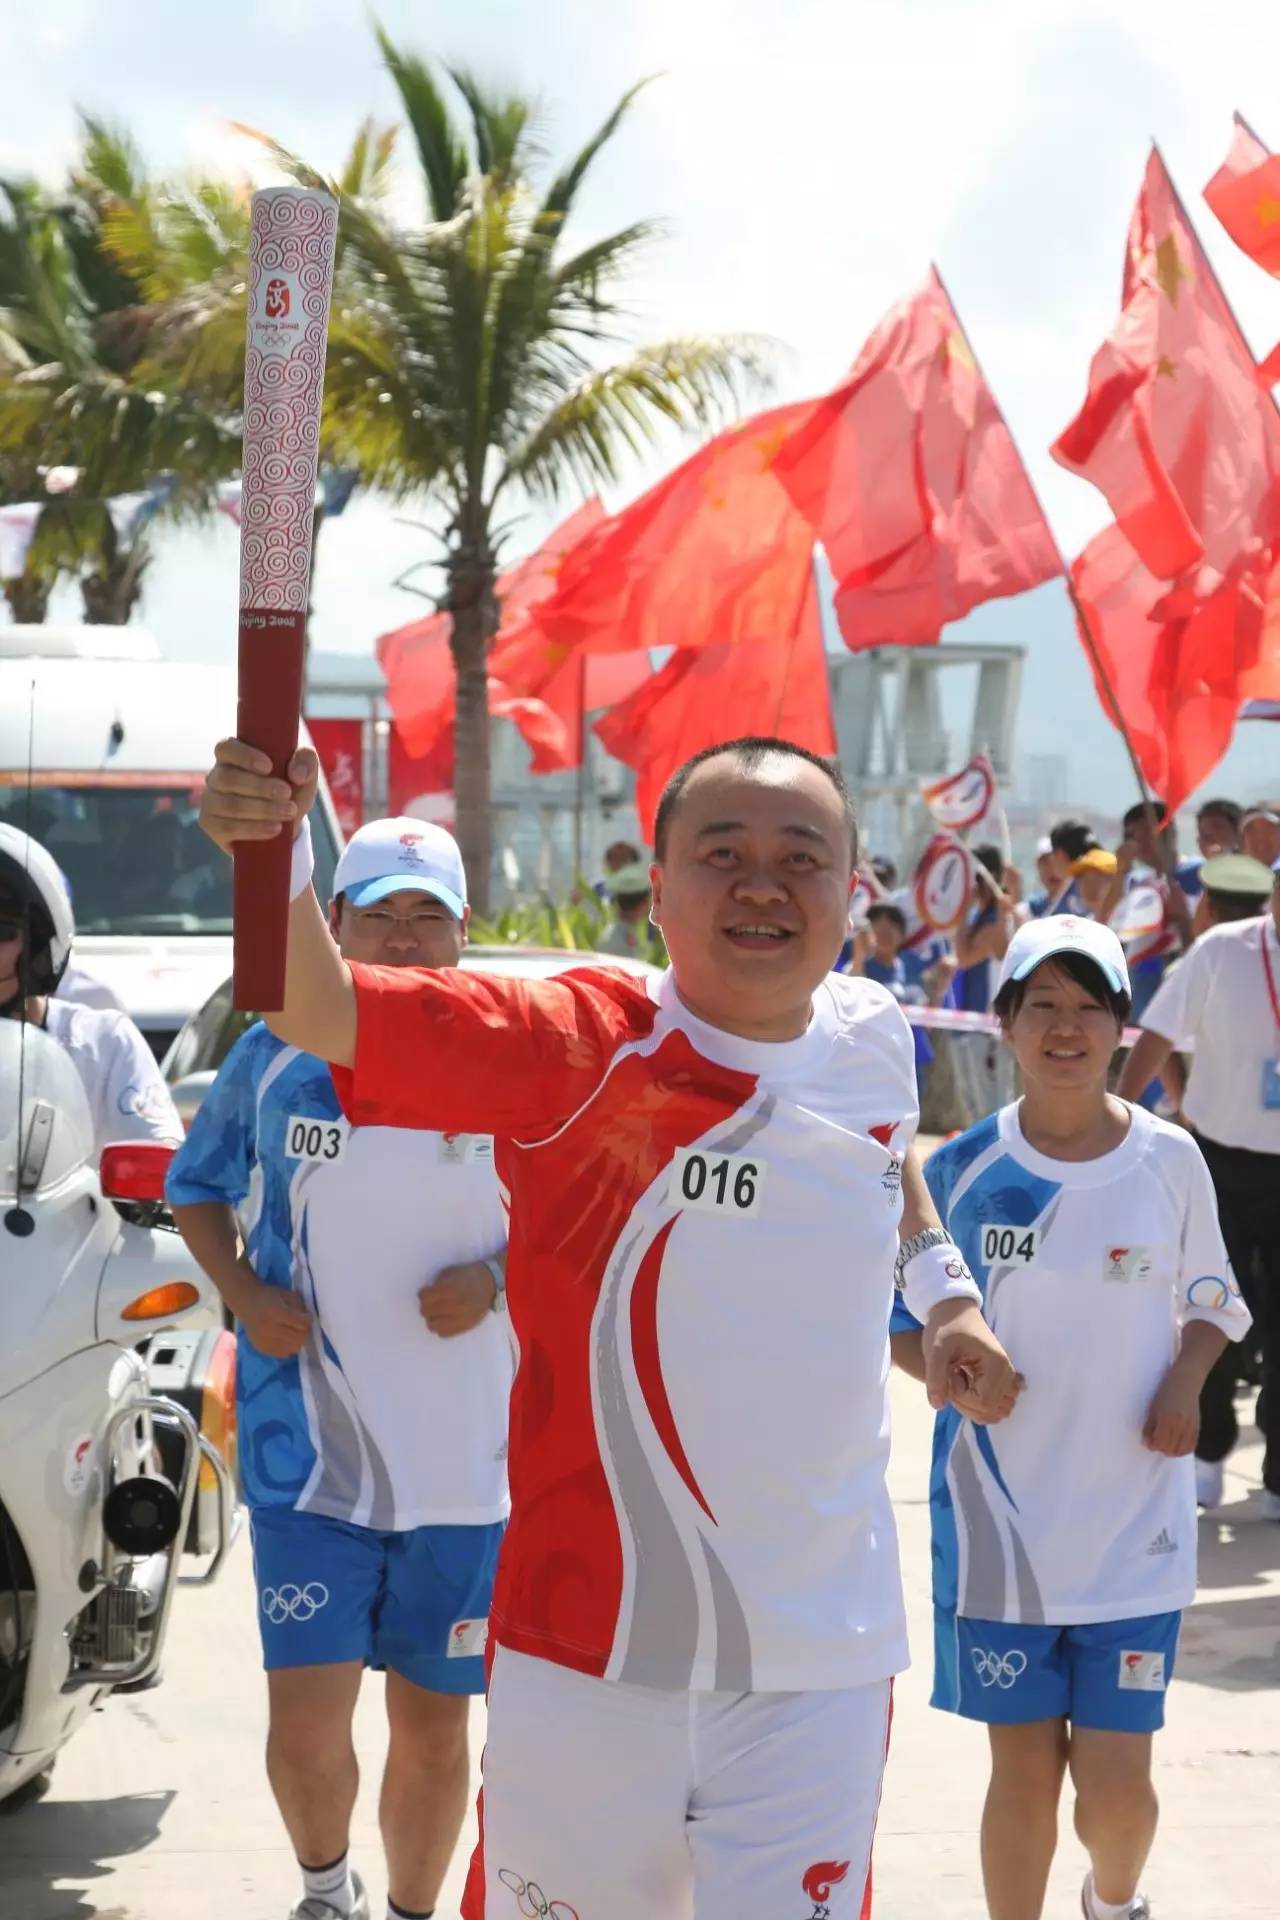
<point>579,793</point>
<point>1100,673</point>
<point>809,586</point>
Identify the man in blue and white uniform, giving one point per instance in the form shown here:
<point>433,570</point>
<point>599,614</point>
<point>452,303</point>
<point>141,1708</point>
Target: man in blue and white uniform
<point>374,1371</point>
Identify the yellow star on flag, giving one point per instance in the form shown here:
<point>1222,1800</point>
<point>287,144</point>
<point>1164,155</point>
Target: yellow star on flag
<point>1268,211</point>
<point>771,444</point>
<point>1165,368</point>
<point>1170,271</point>
<point>957,348</point>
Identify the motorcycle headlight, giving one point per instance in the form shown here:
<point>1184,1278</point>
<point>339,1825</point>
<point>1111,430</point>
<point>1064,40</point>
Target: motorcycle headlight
<point>142,1515</point>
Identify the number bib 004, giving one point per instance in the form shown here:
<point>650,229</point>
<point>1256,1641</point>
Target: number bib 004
<point>709,1182</point>
<point>308,1138</point>
<point>1009,1246</point>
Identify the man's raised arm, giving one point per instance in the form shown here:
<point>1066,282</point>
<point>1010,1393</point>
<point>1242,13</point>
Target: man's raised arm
<point>243,801</point>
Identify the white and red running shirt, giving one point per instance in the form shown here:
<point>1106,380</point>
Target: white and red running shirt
<point>703,1233</point>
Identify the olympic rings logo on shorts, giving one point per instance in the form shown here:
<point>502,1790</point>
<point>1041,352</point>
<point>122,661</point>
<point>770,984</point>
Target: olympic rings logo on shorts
<point>999,1669</point>
<point>532,1902</point>
<point>294,1603</point>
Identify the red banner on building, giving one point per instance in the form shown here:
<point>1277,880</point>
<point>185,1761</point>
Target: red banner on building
<point>340,744</point>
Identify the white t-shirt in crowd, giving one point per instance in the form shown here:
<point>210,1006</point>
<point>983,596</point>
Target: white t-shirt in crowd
<point>127,1094</point>
<point>1060,1514</point>
<point>1217,999</point>
<point>87,990</point>
<point>377,1421</point>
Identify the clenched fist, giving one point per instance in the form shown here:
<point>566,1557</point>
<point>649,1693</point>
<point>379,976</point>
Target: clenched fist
<point>244,801</point>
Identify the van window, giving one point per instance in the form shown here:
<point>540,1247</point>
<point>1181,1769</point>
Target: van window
<point>134,856</point>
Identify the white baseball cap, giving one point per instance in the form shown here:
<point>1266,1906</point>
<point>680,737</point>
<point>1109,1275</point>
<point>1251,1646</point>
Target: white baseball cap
<point>1040,940</point>
<point>402,856</point>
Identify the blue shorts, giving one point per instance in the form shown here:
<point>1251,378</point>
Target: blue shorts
<point>417,1602</point>
<point>1111,1676</point>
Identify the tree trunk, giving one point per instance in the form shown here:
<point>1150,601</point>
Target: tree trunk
<point>473,604</point>
<point>111,594</point>
<point>28,598</point>
<point>113,590</point>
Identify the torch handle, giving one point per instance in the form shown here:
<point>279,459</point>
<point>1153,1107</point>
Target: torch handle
<point>271,656</point>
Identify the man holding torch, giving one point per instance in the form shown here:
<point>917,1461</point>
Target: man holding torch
<point>698,1608</point>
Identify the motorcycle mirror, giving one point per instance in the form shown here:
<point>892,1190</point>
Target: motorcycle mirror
<point>135,1170</point>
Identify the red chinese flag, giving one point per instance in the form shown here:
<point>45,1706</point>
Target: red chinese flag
<point>421,783</point>
<point>1176,431</point>
<point>909,477</point>
<point>1245,195</point>
<point>1179,678</point>
<point>416,658</point>
<point>705,558</point>
<point>420,675</point>
<point>707,694</point>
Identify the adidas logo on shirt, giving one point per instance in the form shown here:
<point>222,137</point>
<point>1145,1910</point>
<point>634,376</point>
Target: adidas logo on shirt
<point>1162,1543</point>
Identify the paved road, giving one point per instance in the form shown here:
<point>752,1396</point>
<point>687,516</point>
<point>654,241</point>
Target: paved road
<point>160,1811</point>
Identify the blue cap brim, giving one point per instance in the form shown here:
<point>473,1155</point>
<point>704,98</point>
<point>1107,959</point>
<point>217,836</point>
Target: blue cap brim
<point>1108,972</point>
<point>374,890</point>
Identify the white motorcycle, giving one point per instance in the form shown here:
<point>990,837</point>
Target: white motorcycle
<point>112,1434</point>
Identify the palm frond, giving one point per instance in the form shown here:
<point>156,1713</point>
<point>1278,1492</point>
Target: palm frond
<point>366,170</point>
<point>692,381</point>
<point>297,169</point>
<point>563,190</point>
<point>442,151</point>
<point>581,281</point>
<point>109,162</point>
<point>119,436</point>
<point>502,127</point>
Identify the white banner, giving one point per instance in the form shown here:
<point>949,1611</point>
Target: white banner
<point>962,799</point>
<point>943,884</point>
<point>17,529</point>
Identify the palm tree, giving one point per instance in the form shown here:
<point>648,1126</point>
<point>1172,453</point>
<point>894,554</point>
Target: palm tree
<point>466,359</point>
<point>79,383</point>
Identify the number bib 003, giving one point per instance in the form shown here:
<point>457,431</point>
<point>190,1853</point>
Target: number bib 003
<point>709,1182</point>
<point>1009,1246</point>
<point>308,1138</point>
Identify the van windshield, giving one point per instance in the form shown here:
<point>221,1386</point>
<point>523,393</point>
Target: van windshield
<point>134,856</point>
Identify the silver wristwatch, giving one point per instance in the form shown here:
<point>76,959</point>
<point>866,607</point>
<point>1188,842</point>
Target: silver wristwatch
<point>918,1243</point>
<point>499,1273</point>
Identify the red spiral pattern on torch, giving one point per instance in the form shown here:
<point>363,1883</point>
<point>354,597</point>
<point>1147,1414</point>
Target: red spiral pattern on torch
<point>293,231</point>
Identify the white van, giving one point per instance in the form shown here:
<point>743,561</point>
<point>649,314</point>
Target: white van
<point>116,742</point>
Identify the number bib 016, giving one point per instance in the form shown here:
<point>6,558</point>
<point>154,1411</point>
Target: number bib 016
<point>1009,1246</point>
<point>308,1138</point>
<point>709,1182</point>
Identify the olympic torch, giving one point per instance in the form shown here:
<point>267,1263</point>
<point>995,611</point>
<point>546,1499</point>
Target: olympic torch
<point>291,248</point>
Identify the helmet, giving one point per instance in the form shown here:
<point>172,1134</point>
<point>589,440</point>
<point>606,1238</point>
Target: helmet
<point>33,879</point>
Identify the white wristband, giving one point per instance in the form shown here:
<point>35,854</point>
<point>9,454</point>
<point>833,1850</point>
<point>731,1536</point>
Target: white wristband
<point>303,865</point>
<point>935,1275</point>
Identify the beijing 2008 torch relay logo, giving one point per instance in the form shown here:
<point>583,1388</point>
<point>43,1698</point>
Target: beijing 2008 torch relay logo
<point>277,322</point>
<point>817,1885</point>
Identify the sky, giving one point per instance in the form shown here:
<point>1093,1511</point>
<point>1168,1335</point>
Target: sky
<point>809,160</point>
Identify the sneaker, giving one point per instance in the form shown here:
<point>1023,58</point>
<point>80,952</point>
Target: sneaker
<point>1270,1504</point>
<point>1209,1483</point>
<point>314,1908</point>
<point>1139,1906</point>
